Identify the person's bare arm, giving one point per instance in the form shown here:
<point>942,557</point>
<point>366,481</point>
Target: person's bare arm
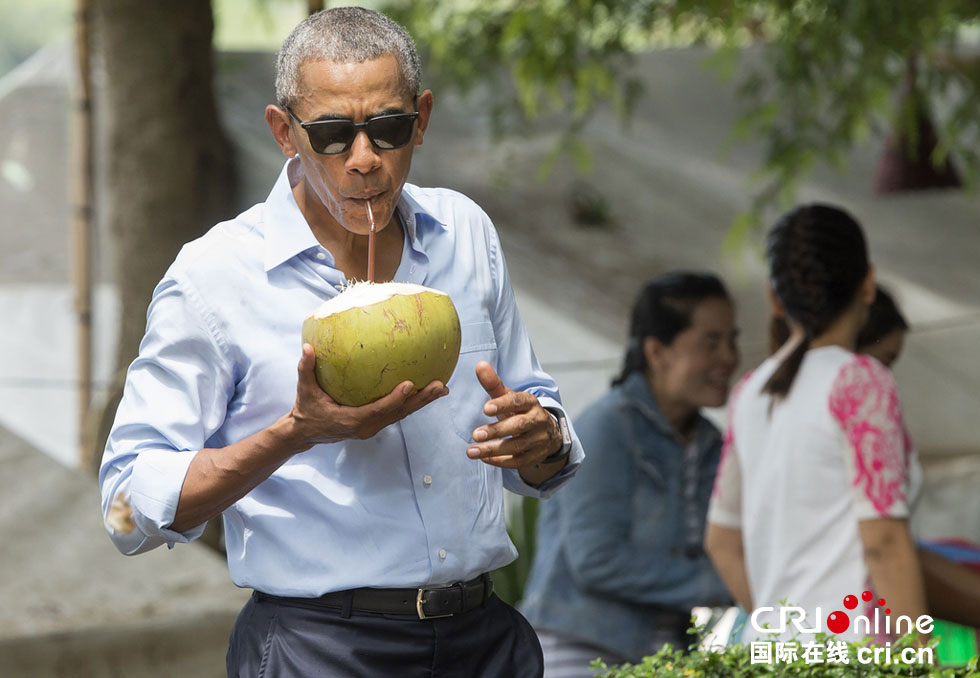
<point>724,547</point>
<point>952,591</point>
<point>893,564</point>
<point>217,478</point>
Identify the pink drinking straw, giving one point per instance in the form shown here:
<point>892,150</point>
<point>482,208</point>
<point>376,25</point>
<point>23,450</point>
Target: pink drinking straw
<point>370,242</point>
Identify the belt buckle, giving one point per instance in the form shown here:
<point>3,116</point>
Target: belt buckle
<point>421,612</point>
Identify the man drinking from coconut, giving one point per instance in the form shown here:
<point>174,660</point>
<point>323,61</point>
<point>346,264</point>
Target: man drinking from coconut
<point>367,532</point>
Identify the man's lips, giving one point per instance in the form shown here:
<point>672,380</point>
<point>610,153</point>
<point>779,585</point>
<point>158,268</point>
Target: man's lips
<point>365,195</point>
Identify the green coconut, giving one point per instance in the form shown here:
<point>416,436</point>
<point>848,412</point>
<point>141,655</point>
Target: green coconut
<point>371,337</point>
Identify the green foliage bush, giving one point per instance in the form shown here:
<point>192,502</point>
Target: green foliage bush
<point>736,662</point>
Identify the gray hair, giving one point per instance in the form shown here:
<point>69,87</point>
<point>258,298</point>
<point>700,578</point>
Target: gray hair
<point>345,35</point>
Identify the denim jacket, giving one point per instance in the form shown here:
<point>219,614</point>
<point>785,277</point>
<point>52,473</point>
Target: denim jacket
<point>622,545</point>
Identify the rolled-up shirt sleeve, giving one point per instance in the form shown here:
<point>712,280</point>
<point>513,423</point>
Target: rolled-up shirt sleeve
<point>174,400</point>
<point>519,370</point>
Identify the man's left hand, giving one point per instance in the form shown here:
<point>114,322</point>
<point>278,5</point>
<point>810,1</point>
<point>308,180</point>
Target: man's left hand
<point>525,433</point>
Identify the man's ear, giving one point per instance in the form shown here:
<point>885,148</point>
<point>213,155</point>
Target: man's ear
<point>282,131</point>
<point>425,110</point>
<point>654,351</point>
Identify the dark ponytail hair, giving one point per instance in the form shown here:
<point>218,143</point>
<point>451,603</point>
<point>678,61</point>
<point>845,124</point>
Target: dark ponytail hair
<point>663,309</point>
<point>817,260</point>
<point>883,319</point>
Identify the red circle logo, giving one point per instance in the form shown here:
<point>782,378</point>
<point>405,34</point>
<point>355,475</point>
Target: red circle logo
<point>837,622</point>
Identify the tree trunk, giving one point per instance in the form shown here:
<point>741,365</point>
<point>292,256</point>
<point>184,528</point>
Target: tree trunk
<point>906,162</point>
<point>168,173</point>
<point>83,169</point>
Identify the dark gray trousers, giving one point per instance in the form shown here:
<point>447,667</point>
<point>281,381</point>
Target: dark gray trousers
<point>275,639</point>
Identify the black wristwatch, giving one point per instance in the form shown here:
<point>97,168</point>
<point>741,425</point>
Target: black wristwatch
<point>566,437</point>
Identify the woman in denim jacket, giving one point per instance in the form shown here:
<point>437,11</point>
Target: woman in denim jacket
<point>619,561</point>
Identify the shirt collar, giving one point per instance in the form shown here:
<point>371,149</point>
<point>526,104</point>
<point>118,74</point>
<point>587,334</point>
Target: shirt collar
<point>415,217</point>
<point>285,229</point>
<point>637,392</point>
<point>287,233</point>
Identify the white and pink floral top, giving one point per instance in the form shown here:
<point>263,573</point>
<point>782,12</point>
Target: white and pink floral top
<point>797,475</point>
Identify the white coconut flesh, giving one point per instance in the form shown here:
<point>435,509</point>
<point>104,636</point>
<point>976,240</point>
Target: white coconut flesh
<point>363,294</point>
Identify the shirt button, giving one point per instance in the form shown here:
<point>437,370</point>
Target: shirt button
<point>442,553</point>
<point>339,287</point>
<point>412,270</point>
<point>321,256</point>
<point>426,480</point>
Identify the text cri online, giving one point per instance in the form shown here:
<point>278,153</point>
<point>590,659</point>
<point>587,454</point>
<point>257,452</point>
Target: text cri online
<point>863,625</point>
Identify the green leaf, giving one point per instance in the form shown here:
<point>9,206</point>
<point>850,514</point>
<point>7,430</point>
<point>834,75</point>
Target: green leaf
<point>828,77</point>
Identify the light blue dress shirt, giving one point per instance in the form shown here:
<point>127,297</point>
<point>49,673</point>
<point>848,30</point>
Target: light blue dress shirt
<point>218,363</point>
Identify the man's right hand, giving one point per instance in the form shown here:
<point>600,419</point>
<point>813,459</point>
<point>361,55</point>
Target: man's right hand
<point>217,478</point>
<point>317,418</point>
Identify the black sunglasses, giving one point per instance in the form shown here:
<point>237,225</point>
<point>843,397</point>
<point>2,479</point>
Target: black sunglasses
<point>386,132</point>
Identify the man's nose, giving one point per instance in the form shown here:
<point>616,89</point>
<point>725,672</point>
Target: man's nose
<point>363,157</point>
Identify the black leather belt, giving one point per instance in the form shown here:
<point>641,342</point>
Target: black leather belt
<point>427,602</point>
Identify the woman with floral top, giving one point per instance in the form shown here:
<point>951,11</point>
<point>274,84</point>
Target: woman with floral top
<point>817,476</point>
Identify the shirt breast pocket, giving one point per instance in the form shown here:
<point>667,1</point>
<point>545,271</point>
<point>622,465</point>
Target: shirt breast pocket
<point>466,395</point>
